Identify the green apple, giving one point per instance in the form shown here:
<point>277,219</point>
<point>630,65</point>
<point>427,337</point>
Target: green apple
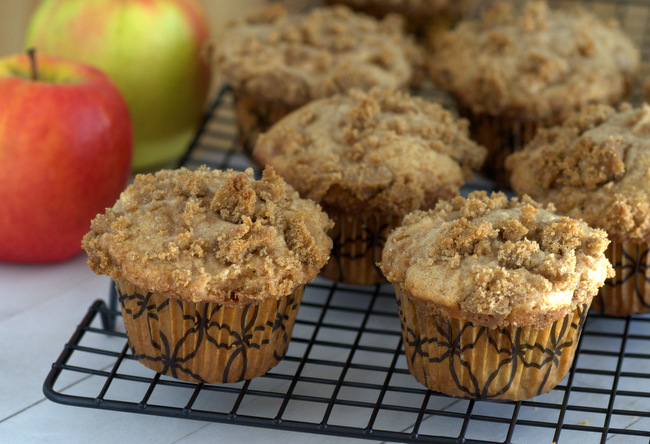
<point>156,51</point>
<point>65,154</point>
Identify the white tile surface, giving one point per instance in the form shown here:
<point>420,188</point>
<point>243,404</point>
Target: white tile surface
<point>42,304</point>
<point>23,285</point>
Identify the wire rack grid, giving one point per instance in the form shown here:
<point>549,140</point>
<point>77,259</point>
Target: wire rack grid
<point>345,373</point>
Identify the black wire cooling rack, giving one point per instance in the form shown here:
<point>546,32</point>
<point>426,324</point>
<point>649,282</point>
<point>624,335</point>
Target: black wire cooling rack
<point>345,373</point>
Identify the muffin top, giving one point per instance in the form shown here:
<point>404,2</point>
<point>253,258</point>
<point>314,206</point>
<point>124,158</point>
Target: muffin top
<point>377,151</point>
<point>533,61</point>
<point>496,262</point>
<point>295,58</point>
<point>210,236</point>
<point>595,166</point>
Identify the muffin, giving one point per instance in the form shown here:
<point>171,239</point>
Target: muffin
<point>424,18</point>
<point>276,62</point>
<point>596,167</point>
<point>369,158</point>
<point>210,268</point>
<point>493,294</point>
<point>514,70</point>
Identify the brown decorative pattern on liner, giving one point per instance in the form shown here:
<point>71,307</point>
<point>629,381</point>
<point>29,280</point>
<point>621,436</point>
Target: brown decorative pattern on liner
<point>255,116</point>
<point>629,291</point>
<point>207,342</point>
<point>461,359</point>
<point>502,137</point>
<point>358,243</point>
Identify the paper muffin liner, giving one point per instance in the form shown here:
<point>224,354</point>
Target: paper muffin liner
<point>207,342</point>
<point>431,32</point>
<point>460,359</point>
<point>501,136</point>
<point>358,243</point>
<point>254,115</point>
<point>629,291</point>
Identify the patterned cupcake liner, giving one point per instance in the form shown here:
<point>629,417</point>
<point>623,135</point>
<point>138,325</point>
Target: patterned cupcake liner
<point>430,33</point>
<point>207,342</point>
<point>501,136</point>
<point>629,291</point>
<point>254,115</point>
<point>460,359</point>
<point>358,243</point>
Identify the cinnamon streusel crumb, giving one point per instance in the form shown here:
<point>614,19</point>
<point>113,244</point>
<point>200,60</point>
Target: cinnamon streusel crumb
<point>382,150</point>
<point>595,166</point>
<point>294,58</point>
<point>496,262</point>
<point>530,61</point>
<point>210,236</point>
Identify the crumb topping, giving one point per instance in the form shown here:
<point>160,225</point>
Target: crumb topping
<point>595,166</point>
<point>535,61</point>
<point>294,58</point>
<point>382,150</point>
<point>496,262</point>
<point>210,236</point>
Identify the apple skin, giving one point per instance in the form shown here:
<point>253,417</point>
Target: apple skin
<point>66,144</point>
<point>156,51</point>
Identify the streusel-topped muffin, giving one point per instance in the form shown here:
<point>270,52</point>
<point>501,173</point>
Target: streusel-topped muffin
<point>198,256</point>
<point>595,166</point>
<point>277,62</point>
<point>492,293</point>
<point>369,158</point>
<point>517,68</point>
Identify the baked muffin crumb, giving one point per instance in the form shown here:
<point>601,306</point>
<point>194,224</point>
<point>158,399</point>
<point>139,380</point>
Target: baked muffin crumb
<point>529,61</point>
<point>594,166</point>
<point>294,58</point>
<point>496,262</point>
<point>210,236</point>
<point>377,151</point>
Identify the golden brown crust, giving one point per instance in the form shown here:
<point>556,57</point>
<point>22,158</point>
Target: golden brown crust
<point>210,236</point>
<point>535,62</point>
<point>381,151</point>
<point>295,58</point>
<point>496,262</point>
<point>595,166</point>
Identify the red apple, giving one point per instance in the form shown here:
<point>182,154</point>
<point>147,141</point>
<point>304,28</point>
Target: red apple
<point>66,143</point>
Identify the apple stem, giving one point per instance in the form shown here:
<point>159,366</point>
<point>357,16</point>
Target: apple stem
<point>31,53</point>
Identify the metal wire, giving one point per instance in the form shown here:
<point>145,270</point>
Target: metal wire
<point>345,374</point>
<point>275,398</point>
